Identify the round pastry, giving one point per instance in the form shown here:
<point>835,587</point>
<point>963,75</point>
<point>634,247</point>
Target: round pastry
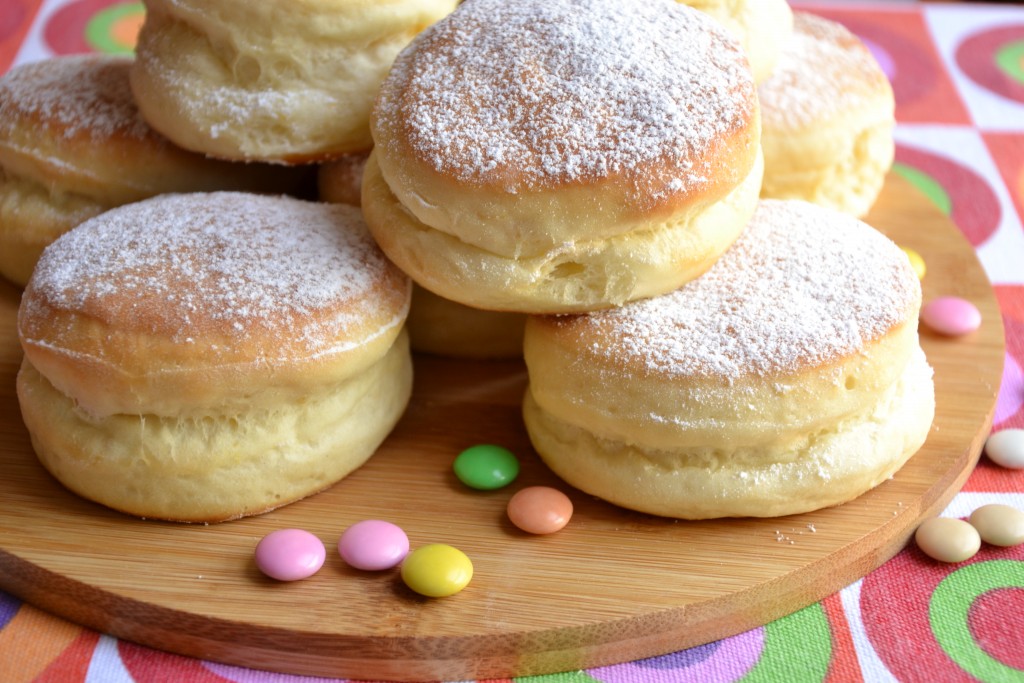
<point>202,357</point>
<point>72,145</point>
<point>442,327</point>
<point>762,26</point>
<point>788,378</point>
<point>278,80</point>
<point>436,325</point>
<point>534,157</point>
<point>341,180</point>
<point>828,113</point>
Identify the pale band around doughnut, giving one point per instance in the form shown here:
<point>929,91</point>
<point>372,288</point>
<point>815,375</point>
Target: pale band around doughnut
<point>786,379</point>
<point>274,80</point>
<point>231,354</point>
<point>828,114</point>
<point>516,169</point>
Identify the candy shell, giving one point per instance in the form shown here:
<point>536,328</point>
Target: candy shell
<point>947,539</point>
<point>999,524</point>
<point>916,262</point>
<point>951,316</point>
<point>290,554</point>
<point>486,467</point>
<point>437,570</point>
<point>373,545</point>
<point>539,509</point>
<point>1006,448</point>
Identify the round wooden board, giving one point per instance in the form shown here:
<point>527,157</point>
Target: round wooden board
<point>613,586</point>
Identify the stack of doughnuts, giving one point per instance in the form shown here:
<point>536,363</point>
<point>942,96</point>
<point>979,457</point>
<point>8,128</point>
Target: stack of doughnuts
<point>578,181</point>
<point>72,145</point>
<point>203,357</point>
<point>273,80</point>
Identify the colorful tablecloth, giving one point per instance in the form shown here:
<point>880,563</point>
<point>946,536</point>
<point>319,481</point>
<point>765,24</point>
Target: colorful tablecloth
<point>958,74</point>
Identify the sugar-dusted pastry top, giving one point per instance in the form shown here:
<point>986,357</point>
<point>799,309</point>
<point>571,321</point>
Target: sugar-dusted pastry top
<point>803,286</point>
<point>272,273</point>
<point>824,70</point>
<point>528,95</point>
<point>86,95</point>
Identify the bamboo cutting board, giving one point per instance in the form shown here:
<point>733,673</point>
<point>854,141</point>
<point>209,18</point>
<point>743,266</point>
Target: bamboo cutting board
<point>613,586</point>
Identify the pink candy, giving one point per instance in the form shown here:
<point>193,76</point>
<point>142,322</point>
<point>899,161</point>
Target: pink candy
<point>951,315</point>
<point>290,554</point>
<point>373,545</point>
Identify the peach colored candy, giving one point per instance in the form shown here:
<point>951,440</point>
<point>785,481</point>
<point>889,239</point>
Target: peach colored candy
<point>539,509</point>
<point>947,539</point>
<point>999,524</point>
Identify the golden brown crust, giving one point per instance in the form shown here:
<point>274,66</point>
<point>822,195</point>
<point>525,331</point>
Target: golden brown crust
<point>72,145</point>
<point>280,296</point>
<point>792,339</point>
<point>341,180</point>
<point>533,139</point>
<point>201,357</point>
<point>575,276</point>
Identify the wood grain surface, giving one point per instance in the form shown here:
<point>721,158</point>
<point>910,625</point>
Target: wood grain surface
<point>612,586</point>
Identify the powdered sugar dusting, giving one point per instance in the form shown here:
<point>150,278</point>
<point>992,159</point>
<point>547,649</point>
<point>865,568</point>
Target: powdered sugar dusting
<point>75,95</point>
<point>245,266</point>
<point>536,92</point>
<point>823,70</point>
<point>803,285</point>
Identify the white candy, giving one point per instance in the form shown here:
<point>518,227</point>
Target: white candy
<point>1006,448</point>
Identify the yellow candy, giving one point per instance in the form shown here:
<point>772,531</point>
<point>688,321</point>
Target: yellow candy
<point>437,570</point>
<point>916,262</point>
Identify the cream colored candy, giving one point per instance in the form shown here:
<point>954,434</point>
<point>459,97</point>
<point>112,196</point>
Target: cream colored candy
<point>999,524</point>
<point>1006,448</point>
<point>947,539</point>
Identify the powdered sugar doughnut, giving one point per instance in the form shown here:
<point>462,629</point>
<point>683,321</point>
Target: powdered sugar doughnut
<point>787,378</point>
<point>72,145</point>
<point>273,80</point>
<point>203,357</point>
<point>828,116</point>
<point>564,155</point>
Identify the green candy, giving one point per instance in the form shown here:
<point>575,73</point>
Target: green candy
<point>486,467</point>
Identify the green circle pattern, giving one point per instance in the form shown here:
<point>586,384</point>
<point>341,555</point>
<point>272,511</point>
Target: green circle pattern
<point>797,649</point>
<point>949,607</point>
<point>98,29</point>
<point>1010,59</point>
<point>928,185</point>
